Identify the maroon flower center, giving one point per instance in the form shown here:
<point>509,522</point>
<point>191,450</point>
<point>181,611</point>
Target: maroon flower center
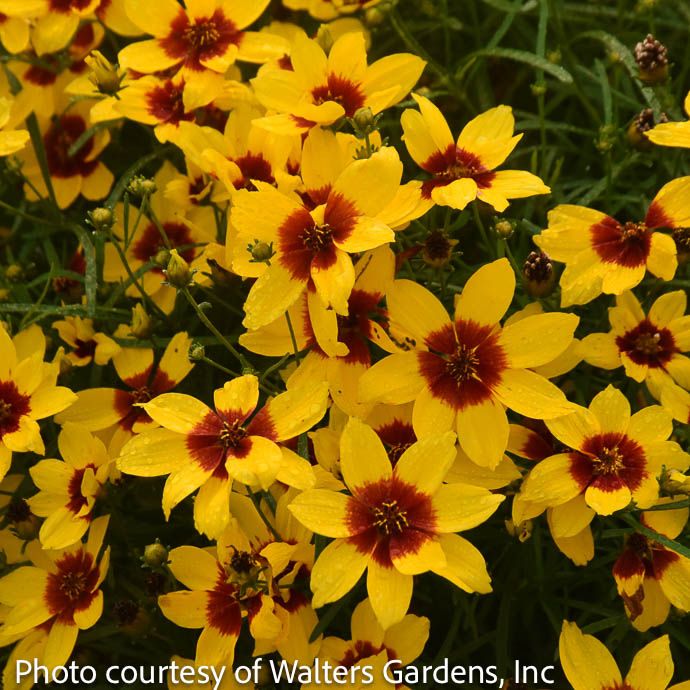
<point>165,103</point>
<point>84,348</point>
<point>390,517</point>
<point>464,363</point>
<point>341,90</point>
<point>232,434</point>
<point>141,395</point>
<point>13,406</point>
<point>317,238</point>
<point>454,164</point>
<point>206,38</point>
<point>647,344</point>
<point>59,138</point>
<point>626,245</point>
<point>253,167</point>
<point>150,242</point>
<point>71,587</point>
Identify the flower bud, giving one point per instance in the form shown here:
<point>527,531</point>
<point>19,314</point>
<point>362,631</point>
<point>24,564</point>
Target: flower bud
<point>364,121</point>
<point>104,75</point>
<point>178,274</point>
<point>101,219</point>
<point>641,124</point>
<point>538,274</point>
<point>155,555</point>
<point>438,249</point>
<point>196,352</point>
<point>651,57</point>
<point>504,227</point>
<point>324,38</point>
<point>141,325</point>
<point>14,273</point>
<point>681,236</point>
<point>261,252</point>
<point>141,186</point>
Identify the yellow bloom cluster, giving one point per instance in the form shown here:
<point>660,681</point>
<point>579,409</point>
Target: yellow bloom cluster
<point>331,390</point>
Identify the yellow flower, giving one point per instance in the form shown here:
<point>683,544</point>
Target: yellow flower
<point>101,408</point>
<point>463,171</point>
<point>398,522</point>
<point>202,41</point>
<point>61,591</point>
<point>616,458</point>
<point>320,89</point>
<point>463,372</point>
<point>313,244</point>
<point>338,345</point>
<point>27,393</point>
<point>672,133</point>
<point>604,255</point>
<point>649,346</point>
<point>206,449</point>
<point>11,140</point>
<point>650,577</point>
<point>88,345</point>
<point>224,587</point>
<point>68,489</point>
<point>588,665</point>
<point>373,646</point>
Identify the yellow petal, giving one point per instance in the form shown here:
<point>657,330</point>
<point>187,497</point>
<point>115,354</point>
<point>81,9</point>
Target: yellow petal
<point>390,592</point>
<point>550,482</point>
<point>61,640</point>
<point>195,568</point>
<point>465,565</point>
<point>336,572</point>
<point>460,507</point>
<point>612,410</point>
<point>363,459</point>
<point>487,294</point>
<point>186,609</point>
<point>426,463</point>
<point>323,511</point>
<point>652,667</point>
<point>483,432</point>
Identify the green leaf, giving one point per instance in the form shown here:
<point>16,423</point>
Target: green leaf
<point>526,58</point>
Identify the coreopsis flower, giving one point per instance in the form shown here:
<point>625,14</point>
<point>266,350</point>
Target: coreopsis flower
<point>242,154</point>
<point>616,458</point>
<point>206,449</point>
<point>463,171</point>
<point>397,522</point>
<point>68,489</point>
<point>60,591</point>
<point>650,577</point>
<point>71,172</point>
<point>373,646</point>
<point>224,588</point>
<point>27,393</point>
<point>320,89</point>
<point>201,40</point>
<point>88,345</point>
<point>312,246</point>
<point>98,409</point>
<point>604,255</point>
<point>569,522</point>
<point>463,372</point>
<point>288,551</point>
<point>649,346</point>
<point>187,232</point>
<point>672,133</point>
<point>11,140</point>
<point>338,345</point>
<point>588,665</point>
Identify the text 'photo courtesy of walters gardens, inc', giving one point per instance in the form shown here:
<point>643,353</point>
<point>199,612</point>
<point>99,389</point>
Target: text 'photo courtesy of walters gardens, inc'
<point>345,343</point>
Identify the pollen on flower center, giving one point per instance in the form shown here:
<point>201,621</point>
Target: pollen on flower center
<point>142,395</point>
<point>648,343</point>
<point>201,35</point>
<point>73,585</point>
<point>609,461</point>
<point>389,518</point>
<point>317,238</point>
<point>242,562</point>
<point>630,230</point>
<point>463,364</point>
<point>5,411</point>
<point>231,435</point>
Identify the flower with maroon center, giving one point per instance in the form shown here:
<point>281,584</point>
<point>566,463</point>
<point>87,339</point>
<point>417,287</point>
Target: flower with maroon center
<point>463,373</point>
<point>649,346</point>
<point>605,255</point>
<point>207,449</point>
<point>370,645</point>
<point>27,394</point>
<point>588,664</point>
<point>649,575</point>
<point>396,522</point>
<point>68,490</point>
<point>320,89</point>
<point>58,22</point>
<point>223,588</point>
<point>312,247</point>
<point>463,171</point>
<point>200,40</point>
<point>616,457</point>
<point>61,592</point>
<point>101,408</point>
<point>72,172</point>
<point>88,345</point>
